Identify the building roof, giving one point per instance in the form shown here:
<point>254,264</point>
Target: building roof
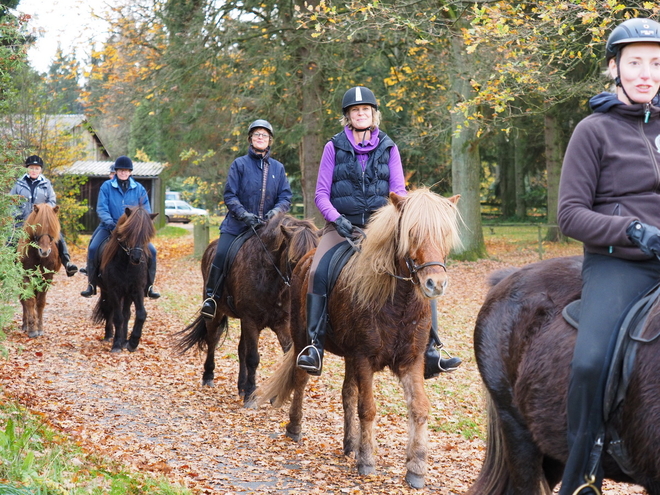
<point>102,169</point>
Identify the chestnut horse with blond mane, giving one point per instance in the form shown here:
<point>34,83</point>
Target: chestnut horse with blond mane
<point>379,316</point>
<point>40,258</point>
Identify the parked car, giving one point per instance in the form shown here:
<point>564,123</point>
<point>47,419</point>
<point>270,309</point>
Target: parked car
<point>180,211</point>
<point>172,195</point>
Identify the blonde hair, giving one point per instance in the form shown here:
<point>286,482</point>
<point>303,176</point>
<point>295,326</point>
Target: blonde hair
<point>375,116</point>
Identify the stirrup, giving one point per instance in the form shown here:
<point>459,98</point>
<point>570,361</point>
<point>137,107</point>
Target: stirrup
<point>312,370</point>
<point>70,269</point>
<point>588,484</point>
<point>90,291</point>
<point>151,293</point>
<point>207,314</point>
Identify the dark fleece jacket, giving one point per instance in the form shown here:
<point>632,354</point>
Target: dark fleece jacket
<point>611,176</point>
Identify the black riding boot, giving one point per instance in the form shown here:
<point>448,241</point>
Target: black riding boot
<point>65,257</point>
<point>151,278</point>
<point>91,280</point>
<point>211,291</point>
<point>434,364</point>
<point>310,358</point>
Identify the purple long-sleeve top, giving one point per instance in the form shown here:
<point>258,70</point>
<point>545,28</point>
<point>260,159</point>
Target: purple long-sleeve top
<point>362,150</point>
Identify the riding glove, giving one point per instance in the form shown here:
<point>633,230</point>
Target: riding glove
<point>249,219</point>
<point>344,227</point>
<point>272,213</point>
<point>646,237</point>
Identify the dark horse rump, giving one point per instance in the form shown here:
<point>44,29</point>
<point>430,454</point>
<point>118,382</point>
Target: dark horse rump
<point>256,291</point>
<point>524,349</point>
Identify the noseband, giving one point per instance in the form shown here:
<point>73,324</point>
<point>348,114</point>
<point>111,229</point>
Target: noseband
<point>129,251</point>
<point>414,269</point>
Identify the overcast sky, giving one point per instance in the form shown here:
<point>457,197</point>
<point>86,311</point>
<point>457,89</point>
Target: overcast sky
<point>69,23</point>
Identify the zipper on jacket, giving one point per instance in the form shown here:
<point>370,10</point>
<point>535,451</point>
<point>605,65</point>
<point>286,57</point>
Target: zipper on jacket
<point>651,155</point>
<point>647,112</point>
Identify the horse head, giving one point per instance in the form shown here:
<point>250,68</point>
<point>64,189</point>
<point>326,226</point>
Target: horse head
<point>134,231</point>
<point>408,239</point>
<point>427,233</point>
<point>43,228</point>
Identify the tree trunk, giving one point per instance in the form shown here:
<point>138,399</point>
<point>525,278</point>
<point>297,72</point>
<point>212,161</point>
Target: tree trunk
<point>520,152</point>
<point>553,157</point>
<point>466,163</point>
<point>507,190</point>
<point>311,146</point>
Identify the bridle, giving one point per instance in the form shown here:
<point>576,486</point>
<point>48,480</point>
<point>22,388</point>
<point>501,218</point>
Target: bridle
<point>414,269</point>
<point>129,251</point>
<point>285,278</point>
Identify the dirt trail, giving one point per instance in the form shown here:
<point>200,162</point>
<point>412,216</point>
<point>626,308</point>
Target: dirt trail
<point>149,410</point>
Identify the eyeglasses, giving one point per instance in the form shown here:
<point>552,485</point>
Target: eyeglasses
<point>260,135</point>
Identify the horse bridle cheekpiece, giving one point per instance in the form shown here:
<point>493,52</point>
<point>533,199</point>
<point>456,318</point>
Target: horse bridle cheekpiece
<point>130,250</point>
<point>414,269</point>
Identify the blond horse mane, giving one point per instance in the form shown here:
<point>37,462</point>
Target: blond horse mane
<point>396,229</point>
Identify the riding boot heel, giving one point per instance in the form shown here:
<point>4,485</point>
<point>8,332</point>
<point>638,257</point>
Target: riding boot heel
<point>212,289</point>
<point>310,358</point>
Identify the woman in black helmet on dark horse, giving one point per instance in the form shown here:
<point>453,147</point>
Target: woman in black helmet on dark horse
<point>609,199</point>
<point>256,190</point>
<point>359,168</point>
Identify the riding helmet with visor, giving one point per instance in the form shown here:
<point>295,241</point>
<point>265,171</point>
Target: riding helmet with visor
<point>34,160</point>
<point>264,124</point>
<point>359,95</point>
<point>123,162</point>
<point>637,30</point>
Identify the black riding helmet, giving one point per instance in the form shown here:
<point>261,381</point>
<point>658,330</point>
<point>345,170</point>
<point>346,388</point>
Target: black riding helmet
<point>359,95</point>
<point>123,162</point>
<point>34,160</point>
<point>264,124</point>
<point>632,31</point>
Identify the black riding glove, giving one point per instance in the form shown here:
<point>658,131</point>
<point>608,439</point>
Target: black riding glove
<point>646,237</point>
<point>249,219</point>
<point>272,213</point>
<point>344,227</point>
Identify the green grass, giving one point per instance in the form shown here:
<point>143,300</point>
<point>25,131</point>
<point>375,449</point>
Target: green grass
<point>171,231</point>
<point>37,460</point>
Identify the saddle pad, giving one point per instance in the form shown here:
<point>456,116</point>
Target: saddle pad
<point>571,312</point>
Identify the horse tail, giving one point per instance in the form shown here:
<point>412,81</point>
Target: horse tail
<point>99,315</point>
<point>279,386</point>
<point>196,334</point>
<point>494,477</point>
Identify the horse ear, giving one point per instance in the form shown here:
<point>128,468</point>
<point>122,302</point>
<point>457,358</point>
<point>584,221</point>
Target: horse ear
<point>287,231</point>
<point>56,209</point>
<point>153,215</point>
<point>127,210</point>
<point>396,199</point>
<point>35,208</point>
<point>454,199</point>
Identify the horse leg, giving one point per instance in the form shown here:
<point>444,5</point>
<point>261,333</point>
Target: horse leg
<point>294,427</point>
<point>366,406</point>
<point>283,336</point>
<point>126,318</point>
<point>41,304</point>
<point>120,335</point>
<point>30,317</point>
<point>248,358</point>
<point>214,329</point>
<point>349,402</point>
<point>109,329</point>
<point>140,318</point>
<point>418,415</point>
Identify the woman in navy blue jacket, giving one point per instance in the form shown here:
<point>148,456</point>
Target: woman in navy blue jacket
<point>115,195</point>
<point>256,189</point>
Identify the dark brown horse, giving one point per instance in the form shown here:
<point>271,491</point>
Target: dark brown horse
<point>524,350</point>
<point>258,287</point>
<point>380,316</point>
<point>40,258</point>
<point>124,278</point>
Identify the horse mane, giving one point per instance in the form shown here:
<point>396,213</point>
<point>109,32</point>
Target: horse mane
<point>43,220</point>
<point>393,231</point>
<point>302,235</point>
<point>134,228</point>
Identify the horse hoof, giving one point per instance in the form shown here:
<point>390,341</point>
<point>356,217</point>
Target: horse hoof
<point>131,348</point>
<point>116,349</point>
<point>208,383</point>
<point>33,334</point>
<point>250,403</point>
<point>107,339</point>
<point>366,470</point>
<point>294,436</point>
<point>415,480</point>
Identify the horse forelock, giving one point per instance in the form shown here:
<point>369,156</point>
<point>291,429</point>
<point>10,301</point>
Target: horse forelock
<point>43,221</point>
<point>422,221</point>
<point>136,229</point>
<point>304,239</point>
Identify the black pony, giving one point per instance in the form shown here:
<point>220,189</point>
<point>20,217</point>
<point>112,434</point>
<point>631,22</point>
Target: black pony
<point>256,291</point>
<point>524,348</point>
<point>124,278</point>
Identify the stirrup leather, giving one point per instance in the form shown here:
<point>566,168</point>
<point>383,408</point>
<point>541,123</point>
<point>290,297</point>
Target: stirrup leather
<point>318,358</point>
<point>207,314</point>
<point>449,356</point>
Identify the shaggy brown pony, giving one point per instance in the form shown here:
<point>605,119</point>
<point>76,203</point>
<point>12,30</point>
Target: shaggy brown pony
<point>40,258</point>
<point>524,349</point>
<point>124,278</point>
<point>379,314</point>
<point>257,286</point>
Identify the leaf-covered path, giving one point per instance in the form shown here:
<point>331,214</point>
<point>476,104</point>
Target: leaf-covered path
<point>149,410</point>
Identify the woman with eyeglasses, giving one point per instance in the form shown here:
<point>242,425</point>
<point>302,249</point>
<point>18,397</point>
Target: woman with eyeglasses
<point>256,190</point>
